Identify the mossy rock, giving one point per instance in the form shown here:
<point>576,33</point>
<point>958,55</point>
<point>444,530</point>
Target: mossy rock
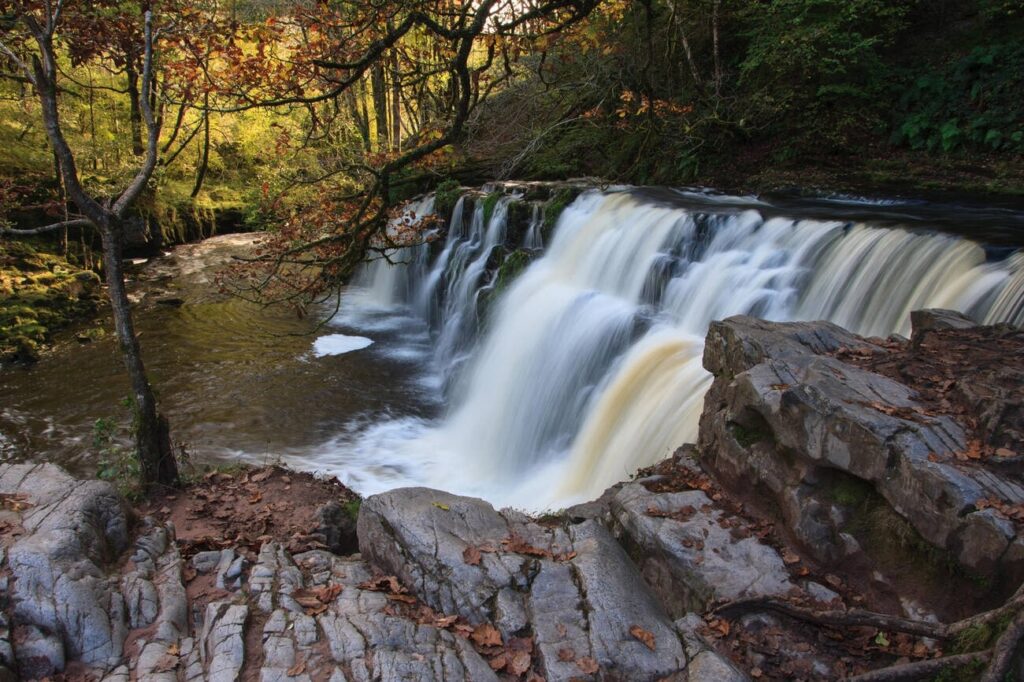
<point>40,293</point>
<point>554,207</point>
<point>446,196</point>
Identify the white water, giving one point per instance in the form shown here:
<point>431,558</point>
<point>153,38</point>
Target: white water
<point>339,344</point>
<point>590,366</point>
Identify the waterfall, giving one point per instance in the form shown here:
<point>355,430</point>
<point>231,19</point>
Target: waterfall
<point>588,365</point>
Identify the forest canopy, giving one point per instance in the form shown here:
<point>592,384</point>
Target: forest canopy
<point>332,111</point>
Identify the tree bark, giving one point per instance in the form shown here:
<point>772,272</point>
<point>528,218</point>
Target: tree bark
<point>134,109</point>
<point>396,103</point>
<point>152,433</point>
<point>380,106</point>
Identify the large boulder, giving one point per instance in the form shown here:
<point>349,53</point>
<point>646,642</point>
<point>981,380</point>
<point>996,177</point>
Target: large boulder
<point>692,553</point>
<point>572,587</point>
<point>785,417</point>
<point>62,595</point>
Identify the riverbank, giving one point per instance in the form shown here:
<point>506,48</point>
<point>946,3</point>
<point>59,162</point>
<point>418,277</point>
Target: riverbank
<point>686,572</point>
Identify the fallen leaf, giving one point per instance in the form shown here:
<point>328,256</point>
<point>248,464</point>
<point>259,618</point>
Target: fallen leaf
<point>881,639</point>
<point>1005,452</point>
<point>756,673</point>
<point>516,544</point>
<point>404,598</point>
<point>498,662</point>
<point>519,663</point>
<point>645,636</point>
<point>297,669</point>
<point>166,664</point>
<point>587,665</point>
<point>471,555</point>
<point>486,635</point>
<point>789,557</point>
<point>173,650</point>
<point>445,621</point>
<point>261,476</point>
<point>566,655</point>
<point>327,593</point>
<point>442,507</point>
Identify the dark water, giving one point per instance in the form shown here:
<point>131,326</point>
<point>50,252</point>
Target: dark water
<point>236,380</point>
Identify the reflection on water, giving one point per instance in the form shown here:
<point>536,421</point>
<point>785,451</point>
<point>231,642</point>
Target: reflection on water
<point>237,381</point>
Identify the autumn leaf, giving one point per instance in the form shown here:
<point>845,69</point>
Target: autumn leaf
<point>566,655</point>
<point>789,557</point>
<point>441,506</point>
<point>261,476</point>
<point>297,669</point>
<point>587,665</point>
<point>327,593</point>
<point>644,636</point>
<point>445,621</point>
<point>471,555</point>
<point>1005,452</point>
<point>498,662</point>
<point>516,544</point>
<point>486,635</point>
<point>166,664</point>
<point>519,663</point>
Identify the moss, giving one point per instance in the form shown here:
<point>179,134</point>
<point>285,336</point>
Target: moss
<point>512,265</point>
<point>446,196</point>
<point>40,293</point>
<point>490,202</point>
<point>351,508</point>
<point>967,673</point>
<point>747,436</point>
<point>890,540</point>
<point>850,491</point>
<point>554,207</point>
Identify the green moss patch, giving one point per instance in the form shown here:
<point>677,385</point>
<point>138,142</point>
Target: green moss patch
<point>40,293</point>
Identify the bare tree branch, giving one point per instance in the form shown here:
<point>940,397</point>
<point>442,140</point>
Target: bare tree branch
<point>76,222</point>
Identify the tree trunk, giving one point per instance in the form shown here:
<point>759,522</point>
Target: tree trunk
<point>396,104</point>
<point>134,109</point>
<point>204,155</point>
<point>380,106</point>
<point>152,433</point>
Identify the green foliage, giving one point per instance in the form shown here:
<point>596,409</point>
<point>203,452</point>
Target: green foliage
<point>973,102</point>
<point>446,196</point>
<point>815,68</point>
<point>117,463</point>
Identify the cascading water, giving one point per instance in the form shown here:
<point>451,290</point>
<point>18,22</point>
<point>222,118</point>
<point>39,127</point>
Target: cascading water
<point>590,363</point>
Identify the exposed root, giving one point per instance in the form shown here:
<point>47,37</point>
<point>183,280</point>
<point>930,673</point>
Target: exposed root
<point>921,670</point>
<point>852,617</point>
<point>998,658</point>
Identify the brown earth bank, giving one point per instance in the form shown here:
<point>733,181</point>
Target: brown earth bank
<point>830,523</point>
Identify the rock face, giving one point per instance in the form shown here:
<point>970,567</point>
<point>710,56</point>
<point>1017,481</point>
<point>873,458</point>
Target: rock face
<point>688,555</point>
<point>92,586</point>
<point>573,588</point>
<point>789,420</point>
<point>63,601</point>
